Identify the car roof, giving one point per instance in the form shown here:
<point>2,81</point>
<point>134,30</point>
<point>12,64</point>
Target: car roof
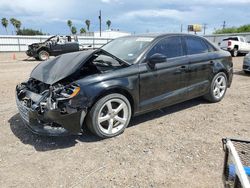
<point>160,35</point>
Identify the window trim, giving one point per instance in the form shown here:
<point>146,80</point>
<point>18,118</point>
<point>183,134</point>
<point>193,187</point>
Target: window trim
<point>202,41</point>
<point>163,38</point>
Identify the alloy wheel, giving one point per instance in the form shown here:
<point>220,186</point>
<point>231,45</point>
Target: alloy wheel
<point>44,55</point>
<point>113,116</point>
<point>219,87</point>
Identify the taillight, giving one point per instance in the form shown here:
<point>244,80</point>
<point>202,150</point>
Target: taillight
<point>229,43</point>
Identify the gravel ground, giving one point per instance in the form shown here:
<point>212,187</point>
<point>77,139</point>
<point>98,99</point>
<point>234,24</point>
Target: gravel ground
<point>179,146</point>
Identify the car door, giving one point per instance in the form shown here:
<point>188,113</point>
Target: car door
<point>70,47</point>
<point>165,83</point>
<point>200,66</point>
<point>56,47</point>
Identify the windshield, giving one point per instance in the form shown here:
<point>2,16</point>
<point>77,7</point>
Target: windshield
<point>128,48</point>
<point>51,38</point>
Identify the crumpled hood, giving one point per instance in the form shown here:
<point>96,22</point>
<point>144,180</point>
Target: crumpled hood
<point>60,67</point>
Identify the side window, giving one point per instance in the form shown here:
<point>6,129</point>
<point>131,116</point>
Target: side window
<point>241,39</point>
<point>211,48</point>
<point>170,47</point>
<point>195,46</point>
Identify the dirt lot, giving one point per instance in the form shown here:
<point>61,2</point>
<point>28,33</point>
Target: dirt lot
<point>179,146</point>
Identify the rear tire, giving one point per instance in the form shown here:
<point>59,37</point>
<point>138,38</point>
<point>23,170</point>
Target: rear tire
<point>234,52</point>
<point>109,116</point>
<point>43,55</point>
<point>217,88</point>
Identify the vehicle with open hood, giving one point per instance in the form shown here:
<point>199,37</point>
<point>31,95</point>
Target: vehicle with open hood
<point>53,46</point>
<point>104,88</point>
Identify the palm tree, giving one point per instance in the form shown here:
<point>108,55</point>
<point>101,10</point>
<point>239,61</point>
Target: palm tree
<point>69,23</point>
<point>73,30</point>
<point>82,30</point>
<point>18,24</point>
<point>5,23</point>
<point>108,23</point>
<point>87,22</point>
<point>13,22</point>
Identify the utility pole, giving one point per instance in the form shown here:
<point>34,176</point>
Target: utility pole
<point>181,28</point>
<point>100,22</point>
<point>224,25</point>
<point>204,28</point>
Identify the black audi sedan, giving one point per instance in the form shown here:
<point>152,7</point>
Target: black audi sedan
<point>128,76</point>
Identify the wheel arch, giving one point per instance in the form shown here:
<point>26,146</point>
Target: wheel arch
<point>225,72</point>
<point>118,90</point>
<point>43,48</point>
<point>236,46</point>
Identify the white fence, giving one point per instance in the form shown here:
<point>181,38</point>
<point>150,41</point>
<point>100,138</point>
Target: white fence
<point>10,43</point>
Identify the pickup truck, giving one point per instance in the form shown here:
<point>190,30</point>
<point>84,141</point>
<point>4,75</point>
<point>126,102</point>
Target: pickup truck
<point>53,46</point>
<point>235,45</point>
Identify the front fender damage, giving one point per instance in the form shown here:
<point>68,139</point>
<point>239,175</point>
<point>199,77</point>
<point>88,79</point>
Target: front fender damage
<point>45,115</point>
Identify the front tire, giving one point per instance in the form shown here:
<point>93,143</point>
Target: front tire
<point>217,88</point>
<point>109,116</point>
<point>43,55</point>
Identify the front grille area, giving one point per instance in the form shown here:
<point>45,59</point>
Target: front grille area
<point>23,110</point>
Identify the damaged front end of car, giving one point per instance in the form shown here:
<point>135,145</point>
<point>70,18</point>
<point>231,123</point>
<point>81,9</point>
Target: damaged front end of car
<point>53,101</point>
<point>50,110</point>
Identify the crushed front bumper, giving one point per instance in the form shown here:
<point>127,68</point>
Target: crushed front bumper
<point>52,122</point>
<point>31,53</point>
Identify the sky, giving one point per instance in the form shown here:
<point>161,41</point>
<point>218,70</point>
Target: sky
<point>135,16</point>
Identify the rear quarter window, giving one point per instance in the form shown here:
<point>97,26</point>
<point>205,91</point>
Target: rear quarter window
<point>211,48</point>
<point>196,46</point>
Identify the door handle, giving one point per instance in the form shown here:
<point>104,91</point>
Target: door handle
<point>183,67</point>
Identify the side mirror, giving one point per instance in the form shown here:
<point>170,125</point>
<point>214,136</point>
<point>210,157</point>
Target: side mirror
<point>156,58</point>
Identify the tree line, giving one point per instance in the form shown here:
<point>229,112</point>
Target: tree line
<point>241,29</point>
<point>17,27</point>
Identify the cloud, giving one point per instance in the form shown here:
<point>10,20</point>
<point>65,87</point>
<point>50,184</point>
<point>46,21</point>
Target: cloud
<point>156,13</point>
<point>110,1</point>
<point>128,15</point>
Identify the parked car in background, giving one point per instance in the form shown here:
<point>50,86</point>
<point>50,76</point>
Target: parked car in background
<point>128,76</point>
<point>246,63</point>
<point>235,45</point>
<point>53,46</point>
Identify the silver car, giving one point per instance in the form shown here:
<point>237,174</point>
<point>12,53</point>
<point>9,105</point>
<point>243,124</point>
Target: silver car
<point>246,63</point>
